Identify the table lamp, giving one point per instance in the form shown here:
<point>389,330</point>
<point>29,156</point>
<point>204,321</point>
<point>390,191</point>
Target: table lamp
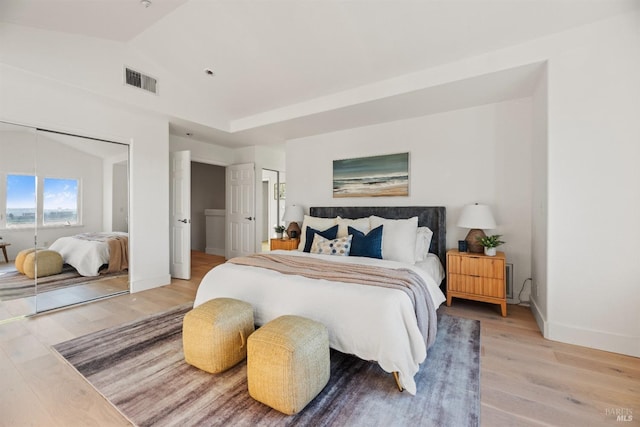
<point>293,215</point>
<point>476,217</point>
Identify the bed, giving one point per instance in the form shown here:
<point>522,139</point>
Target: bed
<point>89,252</point>
<point>375,323</point>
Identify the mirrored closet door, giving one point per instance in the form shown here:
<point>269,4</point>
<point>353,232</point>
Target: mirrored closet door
<point>63,220</point>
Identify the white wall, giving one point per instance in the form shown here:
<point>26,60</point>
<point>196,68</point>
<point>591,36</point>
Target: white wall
<point>202,152</point>
<point>540,211</point>
<point>33,100</point>
<point>480,154</point>
<point>120,197</point>
<point>593,284</point>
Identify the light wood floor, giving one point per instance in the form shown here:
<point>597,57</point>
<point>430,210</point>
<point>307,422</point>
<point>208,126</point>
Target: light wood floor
<point>525,379</point>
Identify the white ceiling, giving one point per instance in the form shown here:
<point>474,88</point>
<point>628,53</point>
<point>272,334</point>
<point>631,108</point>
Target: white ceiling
<point>268,55</point>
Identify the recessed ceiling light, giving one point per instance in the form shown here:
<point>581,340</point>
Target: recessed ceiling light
<point>209,72</point>
<point>145,3</point>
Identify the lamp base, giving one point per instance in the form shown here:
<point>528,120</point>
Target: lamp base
<point>293,231</point>
<point>473,241</point>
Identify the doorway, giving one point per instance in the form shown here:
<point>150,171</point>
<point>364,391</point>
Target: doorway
<point>273,203</point>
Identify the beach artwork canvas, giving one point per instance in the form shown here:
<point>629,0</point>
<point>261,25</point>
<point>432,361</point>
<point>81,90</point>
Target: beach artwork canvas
<point>375,176</point>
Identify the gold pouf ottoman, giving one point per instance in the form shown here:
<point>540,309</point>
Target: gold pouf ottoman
<point>20,259</point>
<point>288,363</point>
<point>214,334</point>
<point>42,262</point>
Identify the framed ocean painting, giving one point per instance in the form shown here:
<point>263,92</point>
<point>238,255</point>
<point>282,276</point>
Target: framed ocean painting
<point>376,176</point>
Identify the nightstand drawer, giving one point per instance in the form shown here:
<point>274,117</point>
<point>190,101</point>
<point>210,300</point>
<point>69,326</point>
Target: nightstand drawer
<point>285,244</point>
<point>477,266</point>
<point>476,285</point>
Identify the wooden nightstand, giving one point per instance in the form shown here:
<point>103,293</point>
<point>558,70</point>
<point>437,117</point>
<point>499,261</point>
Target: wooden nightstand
<point>286,244</point>
<point>477,277</point>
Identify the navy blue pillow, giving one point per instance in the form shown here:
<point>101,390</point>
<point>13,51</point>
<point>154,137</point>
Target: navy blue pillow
<point>329,233</point>
<point>367,245</point>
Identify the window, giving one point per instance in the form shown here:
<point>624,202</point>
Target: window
<point>60,201</point>
<point>60,197</point>
<point>21,200</point>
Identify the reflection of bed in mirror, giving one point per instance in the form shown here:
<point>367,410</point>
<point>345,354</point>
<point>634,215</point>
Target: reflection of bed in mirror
<point>94,253</point>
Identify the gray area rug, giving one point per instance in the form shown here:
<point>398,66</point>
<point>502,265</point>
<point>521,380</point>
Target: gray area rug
<point>14,285</point>
<point>139,368</point>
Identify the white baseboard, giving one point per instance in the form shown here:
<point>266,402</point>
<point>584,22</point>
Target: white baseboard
<point>540,318</point>
<point>150,283</point>
<point>214,251</point>
<point>601,340</point>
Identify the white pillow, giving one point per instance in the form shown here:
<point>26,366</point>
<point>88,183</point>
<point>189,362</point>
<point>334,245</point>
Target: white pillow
<point>423,242</point>
<point>360,224</point>
<point>339,247</point>
<point>319,224</point>
<point>398,238</point>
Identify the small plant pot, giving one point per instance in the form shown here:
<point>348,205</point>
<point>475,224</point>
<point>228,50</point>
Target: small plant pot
<point>279,235</point>
<point>490,251</point>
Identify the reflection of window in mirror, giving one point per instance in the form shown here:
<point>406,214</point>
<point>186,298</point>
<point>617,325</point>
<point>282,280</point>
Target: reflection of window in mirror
<point>59,197</point>
<point>20,201</point>
<point>60,201</point>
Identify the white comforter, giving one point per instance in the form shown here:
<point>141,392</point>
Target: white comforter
<point>86,256</point>
<point>370,322</point>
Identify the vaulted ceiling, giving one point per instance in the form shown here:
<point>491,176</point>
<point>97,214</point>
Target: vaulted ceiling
<point>272,58</point>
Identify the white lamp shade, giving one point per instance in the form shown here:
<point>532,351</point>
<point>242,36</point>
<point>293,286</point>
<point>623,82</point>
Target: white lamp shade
<point>476,216</point>
<point>293,213</point>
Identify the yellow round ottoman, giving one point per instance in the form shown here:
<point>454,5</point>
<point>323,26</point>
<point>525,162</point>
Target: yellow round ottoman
<point>288,363</point>
<point>214,334</point>
<point>20,259</point>
<point>42,262</point>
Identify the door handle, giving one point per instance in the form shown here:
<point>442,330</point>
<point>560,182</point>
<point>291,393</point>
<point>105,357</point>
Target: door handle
<point>250,218</point>
<point>184,220</point>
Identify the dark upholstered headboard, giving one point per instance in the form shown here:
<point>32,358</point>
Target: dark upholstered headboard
<point>428,216</point>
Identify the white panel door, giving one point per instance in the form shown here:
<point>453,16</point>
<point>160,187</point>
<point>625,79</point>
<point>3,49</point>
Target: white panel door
<point>180,196</point>
<point>241,230</point>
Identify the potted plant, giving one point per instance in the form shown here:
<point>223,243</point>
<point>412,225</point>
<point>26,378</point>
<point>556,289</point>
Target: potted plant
<point>490,243</point>
<point>279,230</point>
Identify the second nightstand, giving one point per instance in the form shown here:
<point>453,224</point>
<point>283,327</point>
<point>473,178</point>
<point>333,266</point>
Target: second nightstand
<point>477,277</point>
<point>286,244</point>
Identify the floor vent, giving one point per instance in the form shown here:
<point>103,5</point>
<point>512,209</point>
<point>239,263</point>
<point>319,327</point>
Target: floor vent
<point>509,272</point>
<point>141,81</point>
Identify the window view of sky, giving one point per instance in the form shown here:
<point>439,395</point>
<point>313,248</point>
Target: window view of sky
<point>60,194</point>
<point>21,192</point>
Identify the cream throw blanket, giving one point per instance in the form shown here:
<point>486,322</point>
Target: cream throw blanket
<point>402,279</point>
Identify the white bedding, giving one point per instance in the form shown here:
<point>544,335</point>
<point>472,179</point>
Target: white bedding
<point>86,256</point>
<point>373,323</point>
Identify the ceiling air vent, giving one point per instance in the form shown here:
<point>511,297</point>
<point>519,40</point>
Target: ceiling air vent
<point>139,80</point>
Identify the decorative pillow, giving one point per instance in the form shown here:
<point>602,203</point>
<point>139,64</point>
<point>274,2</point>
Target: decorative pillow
<point>340,247</point>
<point>423,242</point>
<point>398,238</point>
<point>313,222</point>
<point>367,245</point>
<point>329,233</point>
<point>360,224</point>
